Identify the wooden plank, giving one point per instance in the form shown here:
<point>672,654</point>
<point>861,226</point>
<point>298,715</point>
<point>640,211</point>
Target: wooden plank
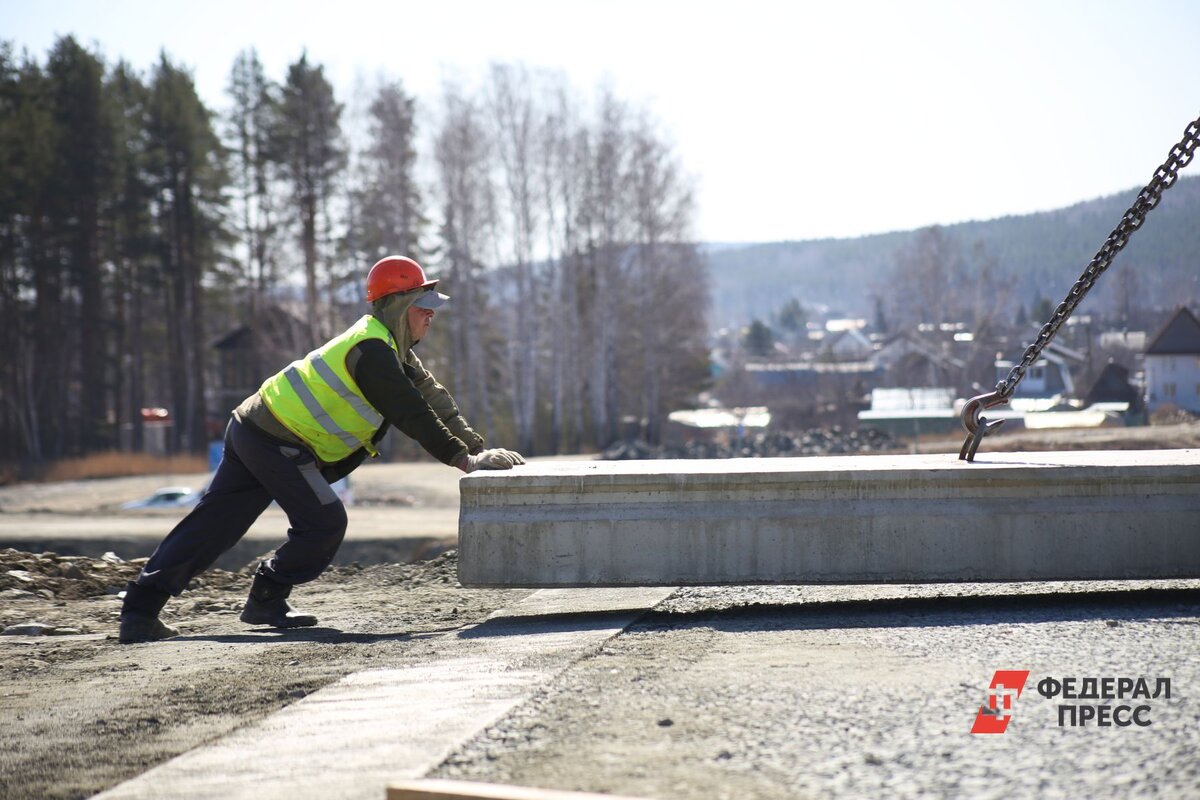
<point>429,789</point>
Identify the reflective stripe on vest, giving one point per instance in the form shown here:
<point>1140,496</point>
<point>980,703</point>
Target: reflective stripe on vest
<point>360,405</point>
<point>317,399</point>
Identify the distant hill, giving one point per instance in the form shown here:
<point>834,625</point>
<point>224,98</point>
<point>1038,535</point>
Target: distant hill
<point>1042,253</point>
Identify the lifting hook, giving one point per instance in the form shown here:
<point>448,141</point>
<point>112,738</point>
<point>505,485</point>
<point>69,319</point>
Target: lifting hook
<point>976,426</point>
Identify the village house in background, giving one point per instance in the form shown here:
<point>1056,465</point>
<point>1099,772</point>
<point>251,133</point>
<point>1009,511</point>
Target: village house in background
<point>1172,364</point>
<point>915,411</point>
<point>252,352</point>
<point>912,382</point>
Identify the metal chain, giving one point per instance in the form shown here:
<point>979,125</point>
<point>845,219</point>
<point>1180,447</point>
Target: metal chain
<point>1164,178</point>
<point>976,426</point>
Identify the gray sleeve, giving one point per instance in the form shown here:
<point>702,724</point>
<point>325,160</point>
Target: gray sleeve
<point>442,403</point>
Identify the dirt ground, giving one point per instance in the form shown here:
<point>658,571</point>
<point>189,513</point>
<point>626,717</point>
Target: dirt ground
<point>80,713</point>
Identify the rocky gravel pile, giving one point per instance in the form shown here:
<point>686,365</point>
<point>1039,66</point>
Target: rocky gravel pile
<point>56,577</point>
<point>38,591</point>
<point>47,594</point>
<point>814,442</point>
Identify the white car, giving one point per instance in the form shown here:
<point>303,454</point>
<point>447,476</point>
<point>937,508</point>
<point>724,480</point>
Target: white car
<point>167,497</point>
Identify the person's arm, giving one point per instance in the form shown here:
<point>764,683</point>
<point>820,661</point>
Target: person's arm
<point>442,403</point>
<point>390,389</point>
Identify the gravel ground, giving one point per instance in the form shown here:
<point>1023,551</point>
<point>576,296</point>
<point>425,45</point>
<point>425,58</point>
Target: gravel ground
<point>786,692</point>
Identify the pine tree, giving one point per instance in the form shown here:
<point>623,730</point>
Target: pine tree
<point>390,218</point>
<point>248,131</point>
<point>25,155</point>
<point>83,149</point>
<point>306,140</point>
<point>185,161</point>
<point>129,247</point>
<point>759,339</point>
<point>35,277</point>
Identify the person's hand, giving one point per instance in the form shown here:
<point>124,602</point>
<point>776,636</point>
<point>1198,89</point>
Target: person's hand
<point>496,458</point>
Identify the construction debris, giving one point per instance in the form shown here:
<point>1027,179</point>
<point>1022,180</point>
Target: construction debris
<point>813,442</point>
<point>58,577</point>
<point>38,629</point>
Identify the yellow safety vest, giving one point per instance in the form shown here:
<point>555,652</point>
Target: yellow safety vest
<point>317,399</point>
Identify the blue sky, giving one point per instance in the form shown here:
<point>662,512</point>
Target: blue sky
<point>798,120</point>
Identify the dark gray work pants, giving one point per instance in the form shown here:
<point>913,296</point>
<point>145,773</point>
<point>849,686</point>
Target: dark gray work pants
<point>254,471</point>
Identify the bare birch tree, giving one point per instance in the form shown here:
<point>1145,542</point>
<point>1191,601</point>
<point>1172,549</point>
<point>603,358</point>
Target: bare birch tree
<point>511,104</point>
<point>604,280</point>
<point>560,190</point>
<point>462,153</point>
<point>668,307</point>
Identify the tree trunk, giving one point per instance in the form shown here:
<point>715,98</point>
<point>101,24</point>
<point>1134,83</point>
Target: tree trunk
<point>45,402</point>
<point>308,238</point>
<point>93,435</point>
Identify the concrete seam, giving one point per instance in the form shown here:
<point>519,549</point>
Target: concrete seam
<point>585,654</point>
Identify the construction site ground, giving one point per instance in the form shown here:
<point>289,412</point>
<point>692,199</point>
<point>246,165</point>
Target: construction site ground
<point>720,692</point>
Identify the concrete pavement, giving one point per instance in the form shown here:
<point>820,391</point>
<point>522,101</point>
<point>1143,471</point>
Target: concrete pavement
<point>351,739</point>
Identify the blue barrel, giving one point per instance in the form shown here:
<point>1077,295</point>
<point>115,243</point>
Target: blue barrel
<point>215,451</point>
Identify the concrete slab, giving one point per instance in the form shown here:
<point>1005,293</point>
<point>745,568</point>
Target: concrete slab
<point>351,739</point>
<point>855,519</point>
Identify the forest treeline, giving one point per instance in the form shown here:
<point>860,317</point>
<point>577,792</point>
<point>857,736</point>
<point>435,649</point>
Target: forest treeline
<point>139,226</point>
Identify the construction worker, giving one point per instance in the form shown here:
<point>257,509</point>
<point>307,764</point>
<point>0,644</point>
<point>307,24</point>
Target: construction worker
<point>308,426</point>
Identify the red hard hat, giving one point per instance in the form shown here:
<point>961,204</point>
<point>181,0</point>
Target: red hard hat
<point>395,274</point>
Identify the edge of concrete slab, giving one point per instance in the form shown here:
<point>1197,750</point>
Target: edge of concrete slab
<point>1092,515</point>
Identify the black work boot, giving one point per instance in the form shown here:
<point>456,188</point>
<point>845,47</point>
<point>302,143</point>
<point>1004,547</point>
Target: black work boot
<point>139,615</point>
<point>268,605</point>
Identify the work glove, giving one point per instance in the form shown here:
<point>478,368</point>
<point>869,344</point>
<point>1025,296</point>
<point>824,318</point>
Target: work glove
<point>491,459</point>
